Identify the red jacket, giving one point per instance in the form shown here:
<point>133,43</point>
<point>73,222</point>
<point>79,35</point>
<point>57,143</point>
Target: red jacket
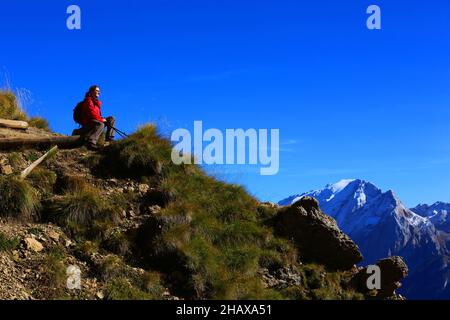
<point>91,110</point>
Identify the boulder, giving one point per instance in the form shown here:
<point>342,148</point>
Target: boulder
<point>33,245</point>
<point>392,271</point>
<point>316,235</point>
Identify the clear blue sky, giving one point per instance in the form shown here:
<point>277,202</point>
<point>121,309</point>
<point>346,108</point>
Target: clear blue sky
<point>349,102</point>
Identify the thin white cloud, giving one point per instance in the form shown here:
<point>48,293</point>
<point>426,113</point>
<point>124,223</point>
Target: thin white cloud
<point>289,142</point>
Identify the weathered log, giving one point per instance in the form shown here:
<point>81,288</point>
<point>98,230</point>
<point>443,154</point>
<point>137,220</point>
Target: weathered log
<point>46,156</point>
<point>13,124</point>
<point>63,142</point>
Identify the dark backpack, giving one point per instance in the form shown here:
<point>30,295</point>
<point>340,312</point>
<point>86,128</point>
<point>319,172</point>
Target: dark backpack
<point>78,112</point>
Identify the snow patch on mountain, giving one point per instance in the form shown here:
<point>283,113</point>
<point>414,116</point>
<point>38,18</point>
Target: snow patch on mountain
<point>340,185</point>
<point>437,213</point>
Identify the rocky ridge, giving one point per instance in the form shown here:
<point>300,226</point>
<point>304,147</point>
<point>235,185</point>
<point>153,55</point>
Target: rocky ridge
<point>132,258</point>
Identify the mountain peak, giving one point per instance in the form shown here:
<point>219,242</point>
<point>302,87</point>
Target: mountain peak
<point>391,194</point>
<point>357,204</point>
<point>340,185</point>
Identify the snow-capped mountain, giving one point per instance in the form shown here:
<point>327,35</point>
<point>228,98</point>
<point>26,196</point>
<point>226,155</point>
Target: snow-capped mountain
<point>438,214</point>
<point>382,226</point>
<point>357,205</point>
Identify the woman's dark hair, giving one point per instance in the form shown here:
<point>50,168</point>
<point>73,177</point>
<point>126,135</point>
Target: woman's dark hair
<point>92,88</point>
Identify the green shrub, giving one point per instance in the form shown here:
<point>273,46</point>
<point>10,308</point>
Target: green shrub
<point>18,199</point>
<point>40,123</point>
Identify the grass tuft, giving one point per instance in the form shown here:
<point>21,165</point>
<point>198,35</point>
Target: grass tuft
<point>10,107</point>
<point>66,184</point>
<point>19,200</point>
<point>141,155</point>
<point>123,283</point>
<point>8,244</point>
<point>80,207</point>
<point>16,160</point>
<point>121,289</point>
<point>40,123</point>
<point>53,274</point>
<point>83,213</point>
<point>42,179</point>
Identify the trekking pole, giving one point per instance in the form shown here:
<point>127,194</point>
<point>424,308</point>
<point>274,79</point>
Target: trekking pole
<point>120,135</point>
<point>123,134</point>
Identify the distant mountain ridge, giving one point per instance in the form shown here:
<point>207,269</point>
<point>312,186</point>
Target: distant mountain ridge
<point>438,214</point>
<point>381,225</point>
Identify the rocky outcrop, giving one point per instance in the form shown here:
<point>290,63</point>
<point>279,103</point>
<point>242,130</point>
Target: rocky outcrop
<point>392,270</point>
<point>316,235</point>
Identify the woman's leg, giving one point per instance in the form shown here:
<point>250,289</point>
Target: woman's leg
<point>95,130</point>
<point>110,123</point>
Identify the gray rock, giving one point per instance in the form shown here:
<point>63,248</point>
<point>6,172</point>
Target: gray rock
<point>316,235</point>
